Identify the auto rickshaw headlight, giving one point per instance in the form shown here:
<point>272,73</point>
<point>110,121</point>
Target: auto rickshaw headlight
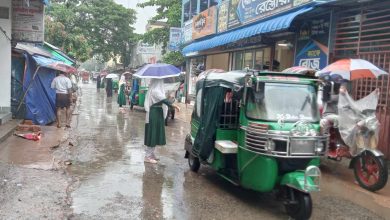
<point>319,147</point>
<point>312,179</point>
<point>270,146</point>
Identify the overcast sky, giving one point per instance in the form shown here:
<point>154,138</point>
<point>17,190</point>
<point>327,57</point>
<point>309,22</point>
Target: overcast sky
<point>143,14</point>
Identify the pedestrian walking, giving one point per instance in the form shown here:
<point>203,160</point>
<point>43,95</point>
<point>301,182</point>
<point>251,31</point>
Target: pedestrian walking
<point>63,87</point>
<point>109,87</point>
<point>98,81</point>
<point>121,95</point>
<point>156,106</point>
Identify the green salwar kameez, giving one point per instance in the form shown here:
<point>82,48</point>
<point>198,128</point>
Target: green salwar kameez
<point>155,129</point>
<point>121,96</point>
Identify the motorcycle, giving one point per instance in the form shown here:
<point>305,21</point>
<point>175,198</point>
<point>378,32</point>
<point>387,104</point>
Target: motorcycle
<point>354,136</point>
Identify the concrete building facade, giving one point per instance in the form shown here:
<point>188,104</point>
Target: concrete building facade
<point>5,60</point>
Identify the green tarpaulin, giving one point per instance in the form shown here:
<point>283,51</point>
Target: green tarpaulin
<point>214,86</point>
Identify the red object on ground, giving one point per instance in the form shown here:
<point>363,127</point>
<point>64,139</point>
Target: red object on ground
<point>30,136</point>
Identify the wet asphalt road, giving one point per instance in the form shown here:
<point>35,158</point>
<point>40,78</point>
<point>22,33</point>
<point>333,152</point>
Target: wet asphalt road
<point>111,181</point>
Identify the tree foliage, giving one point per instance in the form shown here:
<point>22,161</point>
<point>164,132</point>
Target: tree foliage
<point>174,57</point>
<point>91,27</point>
<point>169,10</point>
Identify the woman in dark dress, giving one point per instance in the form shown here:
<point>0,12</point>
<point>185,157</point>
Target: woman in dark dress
<point>109,87</point>
<point>121,95</point>
<point>98,81</point>
<point>156,107</point>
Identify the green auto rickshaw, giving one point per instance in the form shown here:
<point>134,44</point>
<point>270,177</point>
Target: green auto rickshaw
<point>139,88</point>
<point>261,131</point>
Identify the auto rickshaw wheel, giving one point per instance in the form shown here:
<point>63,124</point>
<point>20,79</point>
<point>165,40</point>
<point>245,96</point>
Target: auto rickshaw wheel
<point>193,162</point>
<point>299,205</point>
<point>370,171</point>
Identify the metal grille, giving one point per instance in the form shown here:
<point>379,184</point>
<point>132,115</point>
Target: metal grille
<point>229,115</point>
<point>365,33</point>
<point>255,139</point>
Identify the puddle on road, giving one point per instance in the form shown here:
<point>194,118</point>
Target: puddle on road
<point>113,181</point>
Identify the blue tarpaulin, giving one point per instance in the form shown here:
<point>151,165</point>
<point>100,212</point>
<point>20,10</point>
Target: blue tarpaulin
<point>280,22</point>
<point>46,2</point>
<point>40,97</point>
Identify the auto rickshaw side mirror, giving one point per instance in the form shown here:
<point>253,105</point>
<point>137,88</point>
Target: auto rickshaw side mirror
<point>326,92</point>
<point>247,84</point>
<point>260,87</point>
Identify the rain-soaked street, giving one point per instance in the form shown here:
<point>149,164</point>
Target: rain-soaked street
<point>108,179</point>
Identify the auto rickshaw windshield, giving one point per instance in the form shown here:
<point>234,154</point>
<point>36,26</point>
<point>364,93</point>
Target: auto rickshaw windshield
<point>289,102</point>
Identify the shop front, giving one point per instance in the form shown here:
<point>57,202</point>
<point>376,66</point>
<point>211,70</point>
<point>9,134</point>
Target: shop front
<point>239,38</point>
<point>195,65</point>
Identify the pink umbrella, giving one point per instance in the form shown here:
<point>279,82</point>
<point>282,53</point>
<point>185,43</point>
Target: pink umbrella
<point>203,74</point>
<point>300,70</point>
<point>62,67</point>
<point>351,69</point>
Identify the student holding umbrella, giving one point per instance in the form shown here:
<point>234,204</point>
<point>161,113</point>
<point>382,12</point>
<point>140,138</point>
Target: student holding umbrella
<point>156,106</point>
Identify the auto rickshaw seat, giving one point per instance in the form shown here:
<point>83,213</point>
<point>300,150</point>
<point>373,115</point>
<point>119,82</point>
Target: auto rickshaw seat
<point>226,146</point>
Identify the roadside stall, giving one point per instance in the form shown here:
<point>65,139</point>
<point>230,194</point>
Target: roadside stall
<point>36,68</point>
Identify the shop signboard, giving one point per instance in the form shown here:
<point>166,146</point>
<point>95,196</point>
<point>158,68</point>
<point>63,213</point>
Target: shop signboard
<point>27,21</point>
<point>251,10</point>
<point>312,43</point>
<point>145,48</point>
<point>205,23</point>
<point>187,31</point>
<point>223,15</point>
<point>174,39</point>
<point>233,20</point>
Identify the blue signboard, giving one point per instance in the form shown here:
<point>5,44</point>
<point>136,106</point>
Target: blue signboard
<point>175,39</point>
<point>250,10</point>
<point>312,56</point>
<point>312,43</point>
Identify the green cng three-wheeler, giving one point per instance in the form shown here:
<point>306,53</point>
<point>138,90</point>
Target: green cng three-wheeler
<point>260,130</point>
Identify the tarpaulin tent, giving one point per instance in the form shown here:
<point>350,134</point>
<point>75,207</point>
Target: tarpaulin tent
<point>58,54</point>
<point>38,97</point>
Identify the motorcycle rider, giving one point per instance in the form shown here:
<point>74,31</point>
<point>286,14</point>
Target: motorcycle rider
<point>331,92</point>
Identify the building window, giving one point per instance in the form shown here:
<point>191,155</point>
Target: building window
<point>258,59</point>
<point>213,3</point>
<point>248,60</point>
<point>238,57</point>
<point>194,8</point>
<point>186,11</point>
<point>204,4</point>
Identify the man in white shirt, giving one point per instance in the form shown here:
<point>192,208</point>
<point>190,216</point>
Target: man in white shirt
<point>63,87</point>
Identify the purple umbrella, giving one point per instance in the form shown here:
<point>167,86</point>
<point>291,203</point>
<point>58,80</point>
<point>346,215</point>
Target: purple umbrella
<point>157,71</point>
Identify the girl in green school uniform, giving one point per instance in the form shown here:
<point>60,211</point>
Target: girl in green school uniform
<point>156,106</point>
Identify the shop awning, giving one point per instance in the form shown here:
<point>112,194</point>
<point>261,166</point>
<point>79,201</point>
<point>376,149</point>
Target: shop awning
<point>53,64</point>
<point>58,54</point>
<point>278,23</point>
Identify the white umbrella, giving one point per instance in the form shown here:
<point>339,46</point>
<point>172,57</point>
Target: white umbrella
<point>112,76</point>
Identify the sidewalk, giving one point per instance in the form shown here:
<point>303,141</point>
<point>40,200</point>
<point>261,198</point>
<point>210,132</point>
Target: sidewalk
<point>32,154</point>
<point>7,129</point>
